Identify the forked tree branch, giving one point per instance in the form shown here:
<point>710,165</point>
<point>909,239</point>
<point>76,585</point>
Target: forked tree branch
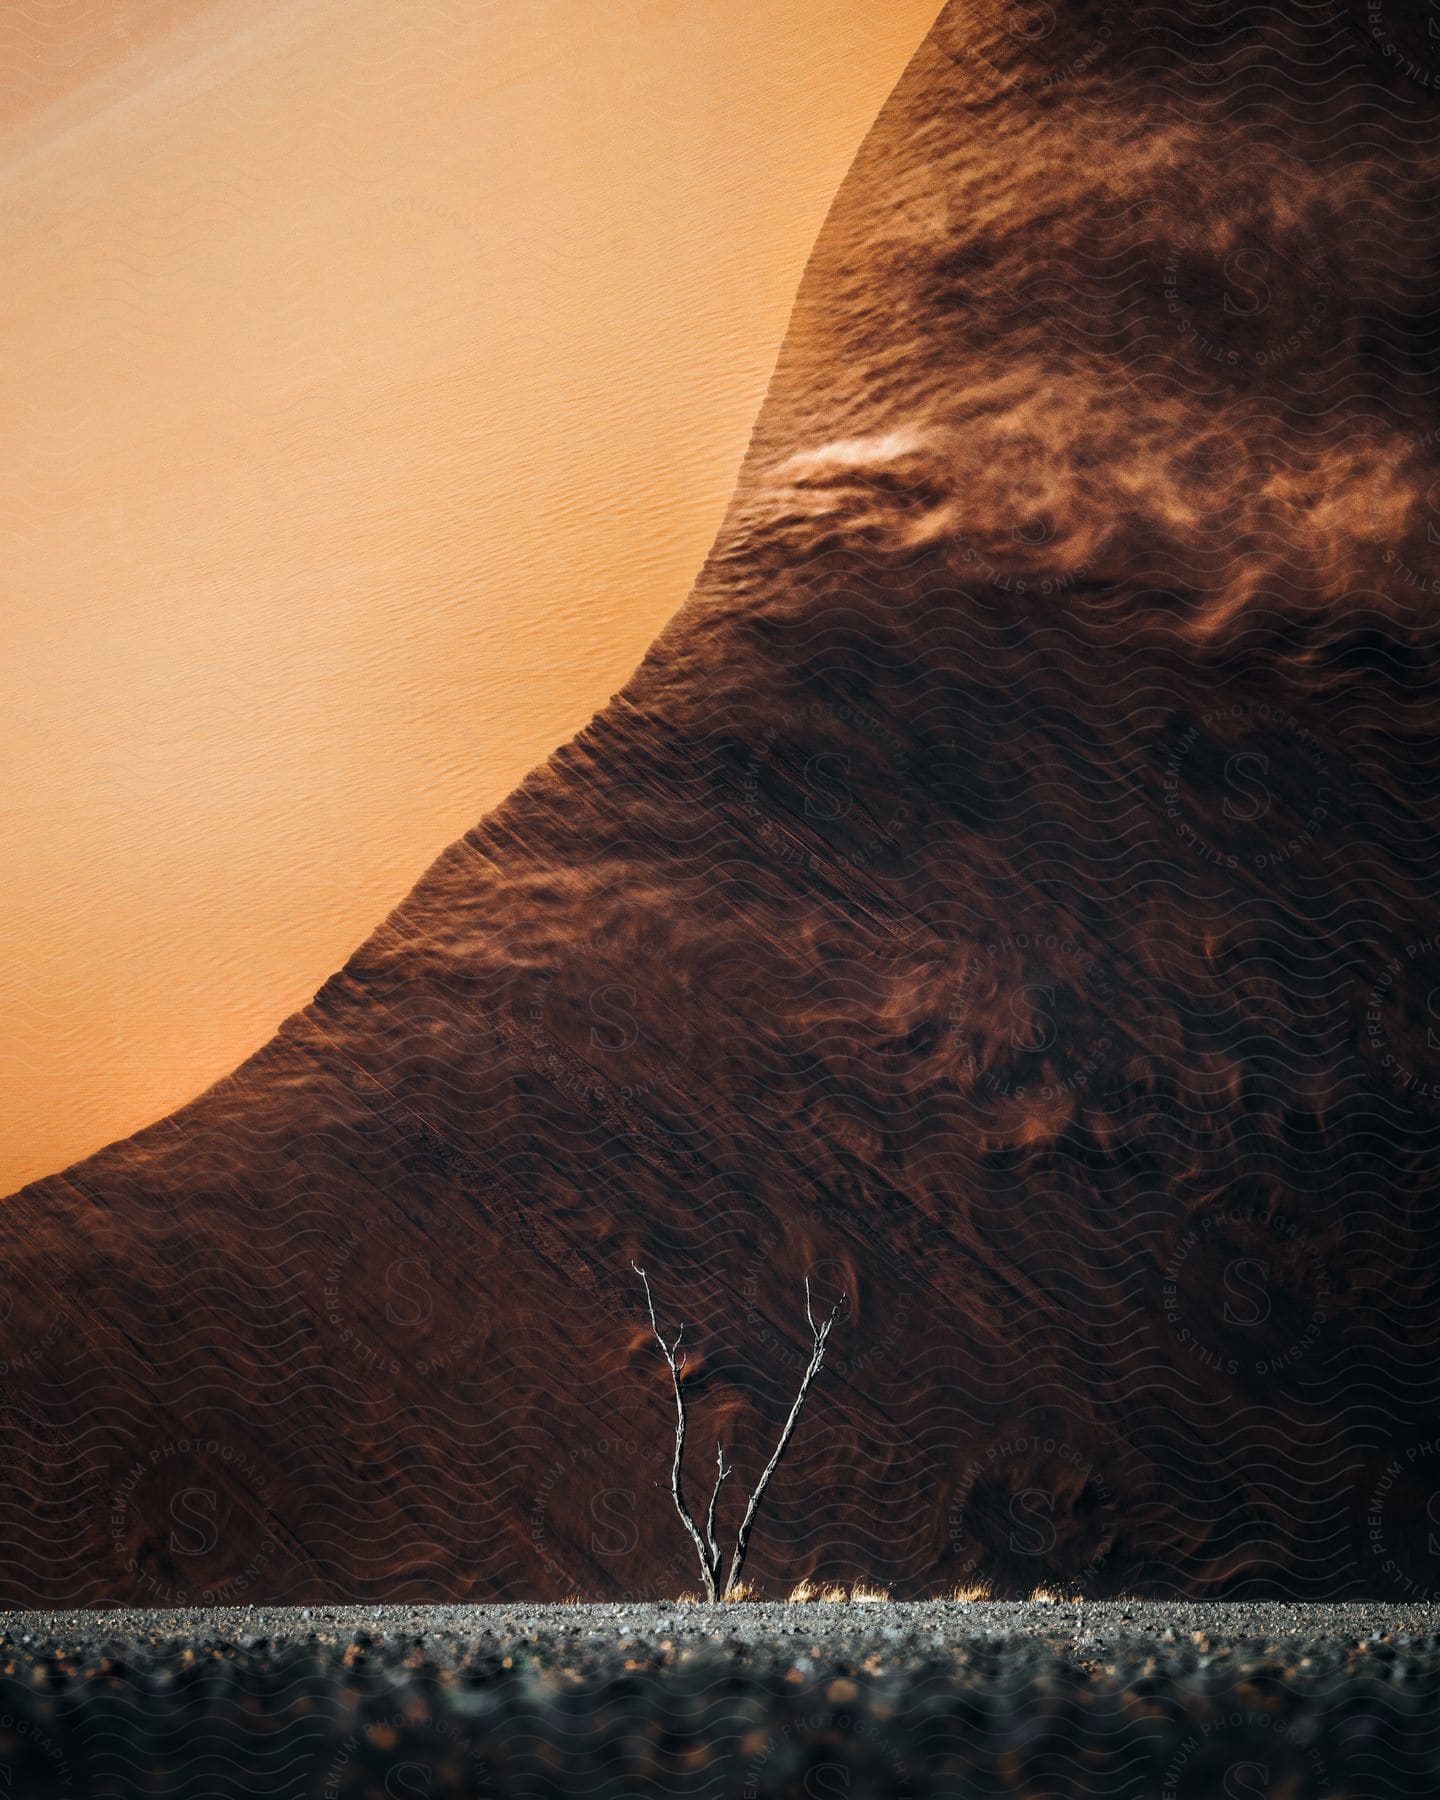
<point>818,1335</point>
<point>709,1559</point>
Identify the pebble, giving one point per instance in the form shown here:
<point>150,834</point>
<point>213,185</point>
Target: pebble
<point>930,1698</point>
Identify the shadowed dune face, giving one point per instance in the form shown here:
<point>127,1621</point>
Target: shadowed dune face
<point>1005,891</point>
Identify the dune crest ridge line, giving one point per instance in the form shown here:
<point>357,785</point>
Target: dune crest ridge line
<point>1006,893</point>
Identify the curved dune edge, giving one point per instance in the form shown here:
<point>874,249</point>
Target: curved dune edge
<point>273,662</point>
<point>1005,891</point>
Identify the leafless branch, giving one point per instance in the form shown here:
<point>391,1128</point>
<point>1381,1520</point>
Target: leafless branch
<point>819,1334</point>
<point>721,1472</point>
<point>709,1559</point>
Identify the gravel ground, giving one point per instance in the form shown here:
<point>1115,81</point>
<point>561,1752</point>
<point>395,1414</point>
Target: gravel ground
<point>1185,1700</point>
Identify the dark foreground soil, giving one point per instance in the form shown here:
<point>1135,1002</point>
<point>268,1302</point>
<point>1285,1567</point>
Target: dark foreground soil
<point>1126,1698</point>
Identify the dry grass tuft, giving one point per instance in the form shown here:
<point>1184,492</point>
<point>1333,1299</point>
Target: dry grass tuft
<point>741,1592</point>
<point>806,1591</point>
<point>1044,1596</point>
<point>971,1594</point>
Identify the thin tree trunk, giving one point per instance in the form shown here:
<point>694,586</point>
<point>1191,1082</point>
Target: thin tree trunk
<point>721,1472</point>
<point>819,1334</point>
<point>709,1570</point>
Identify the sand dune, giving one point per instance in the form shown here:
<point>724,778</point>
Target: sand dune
<point>1006,890</point>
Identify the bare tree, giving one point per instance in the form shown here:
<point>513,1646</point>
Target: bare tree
<point>706,1547</point>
